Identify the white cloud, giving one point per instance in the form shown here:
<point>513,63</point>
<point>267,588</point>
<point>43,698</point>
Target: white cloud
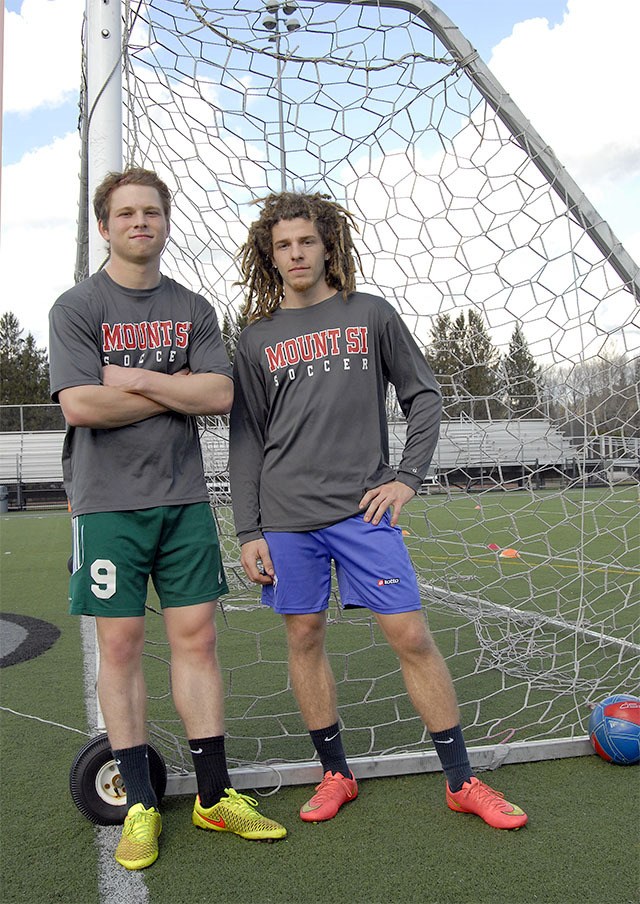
<point>39,216</point>
<point>42,54</point>
<point>577,83</point>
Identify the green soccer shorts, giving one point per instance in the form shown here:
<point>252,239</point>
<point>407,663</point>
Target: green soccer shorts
<point>115,554</point>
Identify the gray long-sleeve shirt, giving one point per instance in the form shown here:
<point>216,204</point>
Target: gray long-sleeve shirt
<point>308,427</point>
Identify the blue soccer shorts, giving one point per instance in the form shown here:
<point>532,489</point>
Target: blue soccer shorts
<point>372,564</point>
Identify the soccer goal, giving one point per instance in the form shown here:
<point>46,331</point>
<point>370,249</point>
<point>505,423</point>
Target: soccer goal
<point>526,536</point>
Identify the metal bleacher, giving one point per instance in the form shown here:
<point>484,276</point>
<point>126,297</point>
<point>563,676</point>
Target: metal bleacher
<point>468,452</point>
<point>35,457</point>
<point>509,442</point>
<point>480,446</point>
<point>31,457</point>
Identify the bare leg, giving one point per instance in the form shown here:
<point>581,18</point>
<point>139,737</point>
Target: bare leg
<point>431,691</point>
<point>195,674</point>
<point>121,687</point>
<point>311,676</point>
<point>315,690</point>
<point>424,670</point>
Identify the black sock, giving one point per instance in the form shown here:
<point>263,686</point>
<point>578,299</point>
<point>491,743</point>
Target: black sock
<point>133,763</point>
<point>328,743</point>
<point>452,751</point>
<point>210,763</point>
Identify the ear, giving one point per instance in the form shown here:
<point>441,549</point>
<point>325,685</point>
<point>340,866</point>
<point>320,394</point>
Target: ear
<point>103,230</point>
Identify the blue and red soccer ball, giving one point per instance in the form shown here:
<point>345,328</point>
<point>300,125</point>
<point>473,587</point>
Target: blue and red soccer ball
<point>614,729</point>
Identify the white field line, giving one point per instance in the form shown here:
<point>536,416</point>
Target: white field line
<point>116,885</point>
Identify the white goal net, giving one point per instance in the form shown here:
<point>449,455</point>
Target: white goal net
<point>526,538</point>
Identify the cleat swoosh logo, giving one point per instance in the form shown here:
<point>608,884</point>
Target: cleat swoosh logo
<point>220,823</point>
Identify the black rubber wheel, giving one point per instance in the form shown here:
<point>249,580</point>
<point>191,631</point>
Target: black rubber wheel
<point>96,785</point>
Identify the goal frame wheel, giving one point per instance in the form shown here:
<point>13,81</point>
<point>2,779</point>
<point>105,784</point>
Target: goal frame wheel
<point>96,786</point>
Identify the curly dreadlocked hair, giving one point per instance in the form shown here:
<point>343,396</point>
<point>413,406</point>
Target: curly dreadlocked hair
<point>265,289</point>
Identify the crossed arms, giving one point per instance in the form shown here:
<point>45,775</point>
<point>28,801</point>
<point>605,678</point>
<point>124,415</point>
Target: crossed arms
<point>128,395</point>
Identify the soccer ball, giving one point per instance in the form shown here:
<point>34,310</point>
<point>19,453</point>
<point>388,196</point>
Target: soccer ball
<point>614,729</point>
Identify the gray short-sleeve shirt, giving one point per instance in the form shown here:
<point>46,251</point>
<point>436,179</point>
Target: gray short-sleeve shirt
<point>168,328</point>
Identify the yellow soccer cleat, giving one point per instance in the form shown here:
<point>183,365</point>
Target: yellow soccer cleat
<point>138,846</point>
<point>237,813</point>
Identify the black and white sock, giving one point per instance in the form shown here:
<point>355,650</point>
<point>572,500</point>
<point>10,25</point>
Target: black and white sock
<point>454,758</point>
<point>210,764</point>
<point>328,743</point>
<point>133,763</point>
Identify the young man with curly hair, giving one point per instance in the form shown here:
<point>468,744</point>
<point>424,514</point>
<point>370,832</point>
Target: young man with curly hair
<point>311,483</point>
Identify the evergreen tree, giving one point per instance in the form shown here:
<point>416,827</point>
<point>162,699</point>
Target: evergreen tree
<point>522,378</point>
<point>24,377</point>
<point>480,378</point>
<point>231,330</point>
<point>478,370</point>
<point>466,364</point>
<point>443,360</point>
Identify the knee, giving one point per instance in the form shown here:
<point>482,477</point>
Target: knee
<point>121,649</point>
<point>416,642</point>
<point>200,643</point>
<point>191,630</point>
<point>206,641</point>
<point>304,635</point>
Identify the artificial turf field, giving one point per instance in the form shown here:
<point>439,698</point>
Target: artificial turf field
<point>397,843</point>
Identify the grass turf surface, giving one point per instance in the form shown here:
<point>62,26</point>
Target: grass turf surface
<point>397,843</point>
<point>46,852</point>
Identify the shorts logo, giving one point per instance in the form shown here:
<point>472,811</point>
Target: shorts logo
<point>382,582</point>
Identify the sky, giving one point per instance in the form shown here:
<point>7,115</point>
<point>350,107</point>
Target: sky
<point>570,65</point>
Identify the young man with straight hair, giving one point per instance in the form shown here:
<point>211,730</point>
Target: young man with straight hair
<point>134,357</point>
<point>311,483</point>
